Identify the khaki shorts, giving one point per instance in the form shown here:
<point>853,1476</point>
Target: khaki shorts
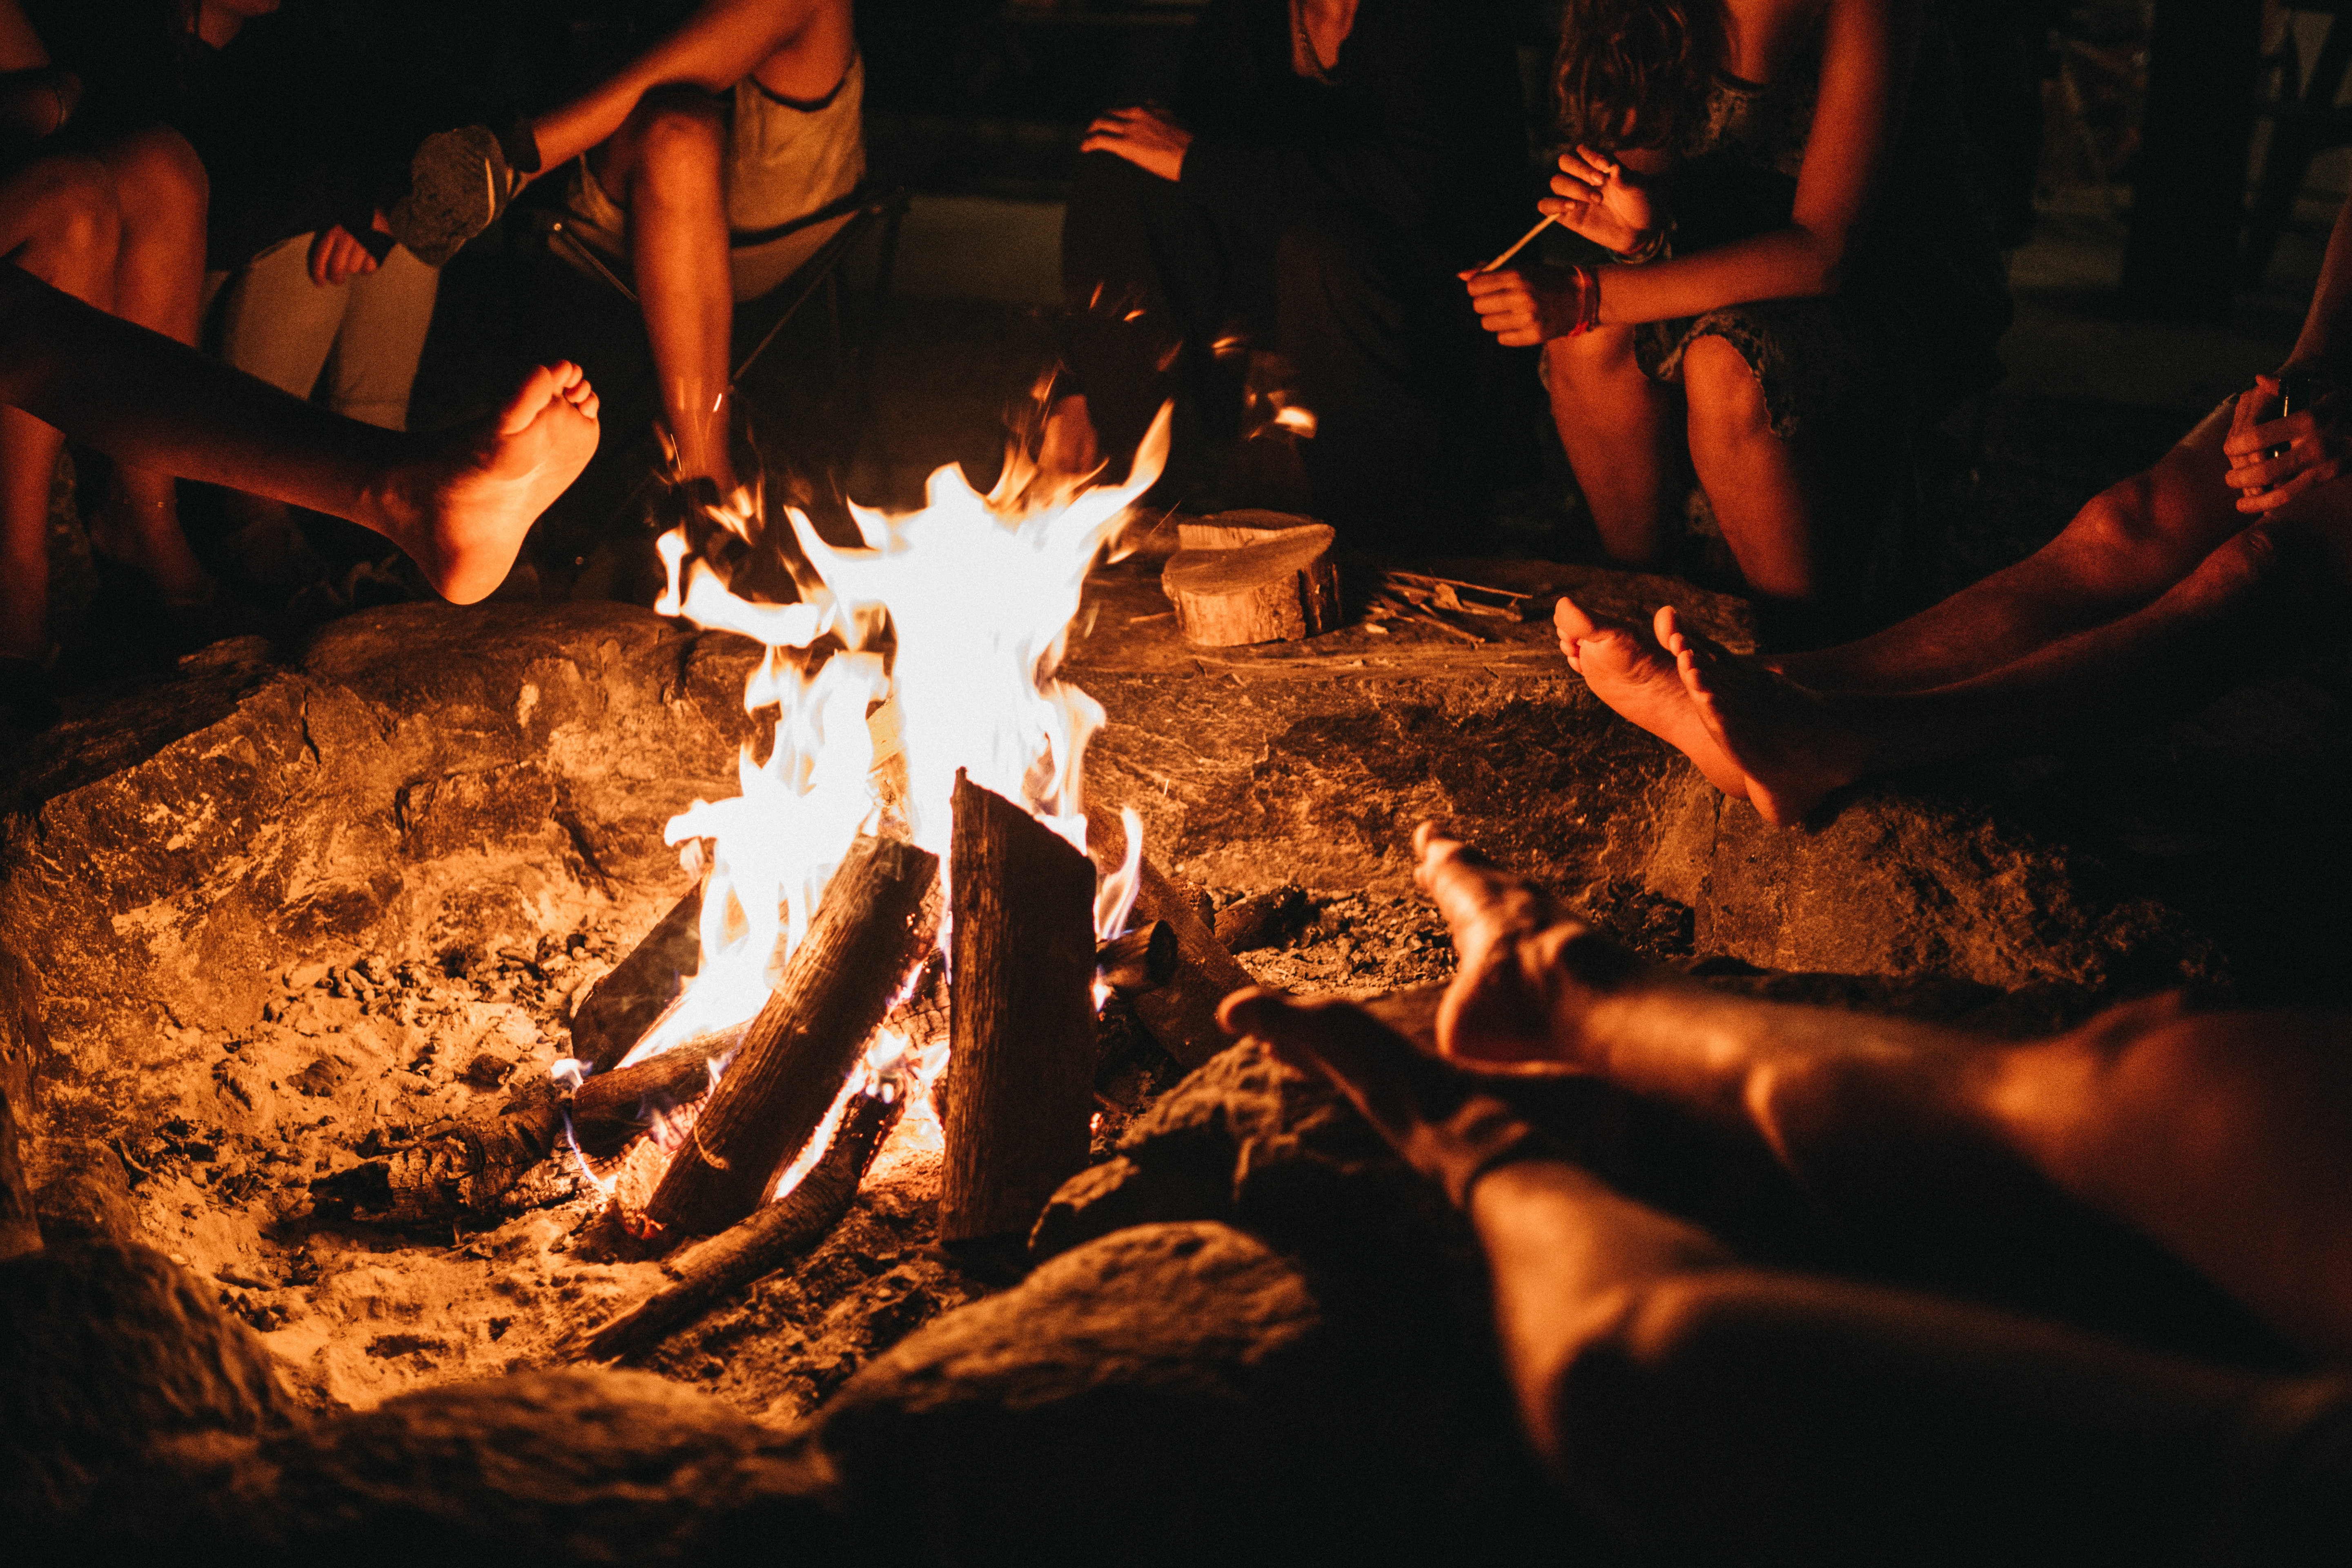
<point>784,160</point>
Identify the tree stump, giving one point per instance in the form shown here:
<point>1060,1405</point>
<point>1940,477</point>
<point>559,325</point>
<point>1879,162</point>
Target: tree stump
<point>1022,1010</point>
<point>1236,580</point>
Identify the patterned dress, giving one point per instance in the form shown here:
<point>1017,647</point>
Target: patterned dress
<point>1926,298</point>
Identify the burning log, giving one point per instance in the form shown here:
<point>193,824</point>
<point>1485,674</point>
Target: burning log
<point>1143,959</point>
<point>622,1005</point>
<point>717,1267</point>
<point>836,986</point>
<point>1182,1013</point>
<point>1234,586</point>
<point>1021,1015</point>
<point>608,1110</point>
<point>455,1167</point>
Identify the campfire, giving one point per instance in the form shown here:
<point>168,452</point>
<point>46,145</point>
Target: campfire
<point>896,931</point>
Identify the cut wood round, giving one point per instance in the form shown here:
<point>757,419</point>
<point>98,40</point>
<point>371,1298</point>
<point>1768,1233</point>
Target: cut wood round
<point>1241,584</point>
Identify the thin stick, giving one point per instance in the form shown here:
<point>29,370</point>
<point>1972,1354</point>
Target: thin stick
<point>1524,238</point>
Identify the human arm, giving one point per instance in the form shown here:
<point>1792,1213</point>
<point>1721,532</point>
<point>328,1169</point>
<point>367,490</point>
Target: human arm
<point>719,44</point>
<point>2275,457</point>
<point>337,256</point>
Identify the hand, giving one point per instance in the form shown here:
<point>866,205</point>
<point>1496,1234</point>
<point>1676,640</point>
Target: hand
<point>1145,137</point>
<point>336,258</point>
<point>1524,969</point>
<point>1529,305</point>
<point>2273,460</point>
<point>1597,197</point>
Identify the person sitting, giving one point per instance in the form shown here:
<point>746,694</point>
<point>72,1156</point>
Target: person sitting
<point>699,162</point>
<point>1802,275</point>
<point>2163,593</point>
<point>1324,169</point>
<point>115,216</point>
<point>458,502</point>
<point>1704,1408</point>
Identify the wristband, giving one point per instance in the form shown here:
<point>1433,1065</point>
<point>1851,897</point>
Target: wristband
<point>1649,247</point>
<point>1587,301</point>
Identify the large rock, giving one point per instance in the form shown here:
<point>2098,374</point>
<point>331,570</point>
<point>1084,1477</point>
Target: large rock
<point>2208,853</point>
<point>416,772</point>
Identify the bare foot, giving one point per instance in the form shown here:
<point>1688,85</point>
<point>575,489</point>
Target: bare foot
<point>1628,669</point>
<point>1525,972</point>
<point>463,508</point>
<point>1436,1119</point>
<point>1780,735</point>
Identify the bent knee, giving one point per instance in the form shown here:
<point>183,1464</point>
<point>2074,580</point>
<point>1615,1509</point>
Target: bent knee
<point>159,178</point>
<point>75,206</point>
<point>1581,361</point>
<point>676,128</point>
<point>1721,389</point>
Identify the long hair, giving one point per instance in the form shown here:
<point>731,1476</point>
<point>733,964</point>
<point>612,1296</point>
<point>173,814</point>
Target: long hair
<point>1631,73</point>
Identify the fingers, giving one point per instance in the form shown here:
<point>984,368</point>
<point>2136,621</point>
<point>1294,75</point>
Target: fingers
<point>2280,494</point>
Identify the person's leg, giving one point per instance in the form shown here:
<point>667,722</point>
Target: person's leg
<point>1767,508</point>
<point>1702,1407</point>
<point>2133,542</point>
<point>459,501</point>
<point>2226,1138</point>
<point>1365,324</point>
<point>1622,433</point>
<point>1143,278</point>
<point>665,166</point>
<point>272,321</point>
<point>381,341</point>
<point>160,192</point>
<point>57,222</point>
<point>2264,590</point>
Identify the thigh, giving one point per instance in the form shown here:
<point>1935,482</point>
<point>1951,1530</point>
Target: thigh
<point>272,322</point>
<point>382,340</point>
<point>59,195</point>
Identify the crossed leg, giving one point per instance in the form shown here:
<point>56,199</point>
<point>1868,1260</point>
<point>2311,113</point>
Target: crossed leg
<point>2012,641</point>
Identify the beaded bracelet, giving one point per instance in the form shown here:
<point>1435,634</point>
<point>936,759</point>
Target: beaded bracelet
<point>1653,244</point>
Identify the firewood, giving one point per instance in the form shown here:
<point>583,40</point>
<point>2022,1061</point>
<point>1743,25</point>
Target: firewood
<point>460,1167</point>
<point>609,1108</point>
<point>772,1237</point>
<point>1021,1016</point>
<point>1182,1013</point>
<point>1262,919</point>
<point>1280,588</point>
<point>1142,959</point>
<point>622,1005</point>
<point>835,987</point>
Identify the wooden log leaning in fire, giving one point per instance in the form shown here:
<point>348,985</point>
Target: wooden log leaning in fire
<point>622,1005</point>
<point>1181,1012</point>
<point>712,1271</point>
<point>1143,959</point>
<point>835,987</point>
<point>1021,1015</point>
<point>1233,586</point>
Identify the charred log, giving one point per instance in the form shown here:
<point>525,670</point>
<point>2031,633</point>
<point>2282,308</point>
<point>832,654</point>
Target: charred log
<point>1021,1016</point>
<point>1182,1013</point>
<point>1262,919</point>
<point>622,1005</point>
<point>836,988</point>
<point>454,1168</point>
<point>717,1267</point>
<point>1143,959</point>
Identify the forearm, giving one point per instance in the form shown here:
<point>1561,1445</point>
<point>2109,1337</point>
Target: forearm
<point>1784,264</point>
<point>722,42</point>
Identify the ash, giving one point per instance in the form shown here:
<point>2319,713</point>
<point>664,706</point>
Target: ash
<point>349,1062</point>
